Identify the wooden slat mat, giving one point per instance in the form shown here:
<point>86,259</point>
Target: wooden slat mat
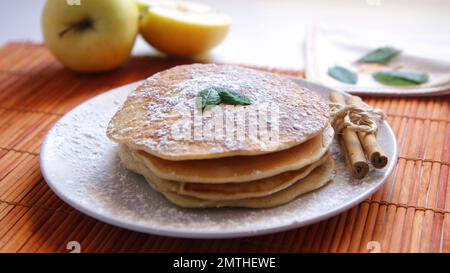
<point>411,213</point>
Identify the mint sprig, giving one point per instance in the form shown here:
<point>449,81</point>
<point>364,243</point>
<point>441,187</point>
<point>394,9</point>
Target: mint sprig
<point>208,97</point>
<point>342,74</point>
<point>216,95</point>
<point>380,55</point>
<point>400,78</point>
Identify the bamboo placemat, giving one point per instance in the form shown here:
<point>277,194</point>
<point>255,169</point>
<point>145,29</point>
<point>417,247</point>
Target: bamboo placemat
<point>411,213</point>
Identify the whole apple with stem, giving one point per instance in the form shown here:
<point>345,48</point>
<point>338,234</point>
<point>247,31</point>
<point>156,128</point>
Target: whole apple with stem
<point>95,36</point>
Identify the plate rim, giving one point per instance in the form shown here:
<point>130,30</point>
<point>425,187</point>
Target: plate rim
<point>171,232</point>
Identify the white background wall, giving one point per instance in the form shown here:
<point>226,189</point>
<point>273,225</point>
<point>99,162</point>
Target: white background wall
<point>270,32</point>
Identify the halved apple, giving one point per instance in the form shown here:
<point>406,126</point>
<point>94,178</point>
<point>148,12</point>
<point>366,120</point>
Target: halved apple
<point>182,28</point>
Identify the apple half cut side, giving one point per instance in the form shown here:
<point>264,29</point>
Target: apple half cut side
<point>183,28</point>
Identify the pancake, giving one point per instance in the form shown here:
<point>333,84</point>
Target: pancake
<point>256,188</point>
<point>240,168</point>
<point>153,111</point>
<point>318,178</point>
<point>225,191</point>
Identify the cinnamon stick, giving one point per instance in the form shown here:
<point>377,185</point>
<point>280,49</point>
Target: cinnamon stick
<point>351,145</point>
<point>369,141</point>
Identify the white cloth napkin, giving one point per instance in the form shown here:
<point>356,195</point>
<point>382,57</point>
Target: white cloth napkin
<point>326,46</point>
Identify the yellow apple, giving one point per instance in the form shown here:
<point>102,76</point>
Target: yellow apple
<point>94,36</point>
<point>183,28</point>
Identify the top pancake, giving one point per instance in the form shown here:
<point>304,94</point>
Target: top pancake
<point>157,108</point>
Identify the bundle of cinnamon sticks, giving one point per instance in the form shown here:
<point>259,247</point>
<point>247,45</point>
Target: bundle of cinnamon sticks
<point>359,147</point>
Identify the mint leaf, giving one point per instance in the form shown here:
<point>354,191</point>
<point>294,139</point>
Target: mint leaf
<point>216,95</point>
<point>233,97</point>
<point>207,97</point>
<point>342,74</point>
<point>400,78</point>
<point>380,55</point>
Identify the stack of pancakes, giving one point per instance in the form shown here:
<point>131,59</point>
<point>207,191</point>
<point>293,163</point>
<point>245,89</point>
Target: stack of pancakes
<point>225,170</point>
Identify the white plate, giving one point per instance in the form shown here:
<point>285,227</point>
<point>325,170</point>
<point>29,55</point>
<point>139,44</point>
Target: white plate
<point>327,45</point>
<point>83,168</point>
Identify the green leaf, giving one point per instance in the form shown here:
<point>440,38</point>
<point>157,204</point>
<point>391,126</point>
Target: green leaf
<point>380,55</point>
<point>207,97</point>
<point>342,74</point>
<point>400,78</point>
<point>232,97</point>
<point>216,95</point>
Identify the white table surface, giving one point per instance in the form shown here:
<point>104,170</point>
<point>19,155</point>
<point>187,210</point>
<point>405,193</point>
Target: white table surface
<point>270,32</point>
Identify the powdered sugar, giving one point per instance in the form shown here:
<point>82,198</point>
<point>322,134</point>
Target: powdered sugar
<point>82,165</point>
<point>167,100</point>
